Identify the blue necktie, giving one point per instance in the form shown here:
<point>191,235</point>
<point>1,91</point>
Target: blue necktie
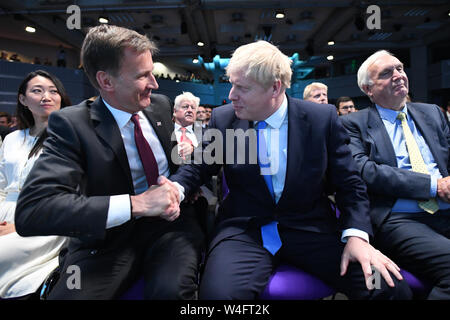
<point>269,232</point>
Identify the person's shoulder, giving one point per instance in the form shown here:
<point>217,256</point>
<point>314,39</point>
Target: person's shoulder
<point>160,99</point>
<point>310,106</point>
<point>422,106</point>
<point>356,117</point>
<point>226,109</point>
<point>75,110</point>
<point>14,136</point>
<point>223,115</point>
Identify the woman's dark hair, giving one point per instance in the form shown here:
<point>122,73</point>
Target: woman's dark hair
<point>25,117</point>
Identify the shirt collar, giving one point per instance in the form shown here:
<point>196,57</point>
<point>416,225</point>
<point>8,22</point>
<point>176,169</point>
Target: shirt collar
<point>178,127</point>
<point>121,117</point>
<point>389,114</point>
<point>276,119</point>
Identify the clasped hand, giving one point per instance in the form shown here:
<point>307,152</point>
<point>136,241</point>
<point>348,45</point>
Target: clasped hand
<point>162,200</point>
<point>443,189</point>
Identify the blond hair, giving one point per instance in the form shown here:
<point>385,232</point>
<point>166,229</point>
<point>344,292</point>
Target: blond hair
<point>263,62</point>
<point>313,86</point>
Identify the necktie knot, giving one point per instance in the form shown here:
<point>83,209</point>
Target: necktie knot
<point>135,119</point>
<point>401,116</point>
<point>261,125</point>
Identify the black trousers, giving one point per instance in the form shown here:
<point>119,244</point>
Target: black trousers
<point>239,267</point>
<point>166,254</point>
<point>419,242</point>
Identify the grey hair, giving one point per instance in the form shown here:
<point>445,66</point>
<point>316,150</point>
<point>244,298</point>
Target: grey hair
<point>363,71</point>
<point>186,96</point>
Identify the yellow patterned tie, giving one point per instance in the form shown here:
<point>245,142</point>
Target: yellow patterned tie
<point>417,163</point>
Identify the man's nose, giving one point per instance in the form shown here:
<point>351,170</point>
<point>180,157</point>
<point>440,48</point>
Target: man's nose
<point>153,84</point>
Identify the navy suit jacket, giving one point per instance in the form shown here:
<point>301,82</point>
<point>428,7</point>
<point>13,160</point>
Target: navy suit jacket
<point>82,164</point>
<point>318,156</point>
<point>375,156</point>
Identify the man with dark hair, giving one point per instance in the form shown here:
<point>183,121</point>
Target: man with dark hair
<point>101,180</point>
<point>5,119</point>
<point>345,105</point>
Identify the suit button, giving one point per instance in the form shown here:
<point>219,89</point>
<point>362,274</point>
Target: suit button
<point>94,252</point>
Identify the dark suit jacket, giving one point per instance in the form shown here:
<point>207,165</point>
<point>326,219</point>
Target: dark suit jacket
<point>318,155</point>
<point>82,164</point>
<point>375,157</point>
<point>4,131</point>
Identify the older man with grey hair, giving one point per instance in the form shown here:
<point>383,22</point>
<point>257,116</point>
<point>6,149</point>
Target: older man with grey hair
<point>402,153</point>
<point>184,115</point>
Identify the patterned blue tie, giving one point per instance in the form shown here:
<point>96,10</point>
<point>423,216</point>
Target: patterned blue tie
<point>269,232</point>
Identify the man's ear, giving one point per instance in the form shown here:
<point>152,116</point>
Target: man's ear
<point>366,89</point>
<point>276,88</point>
<point>105,81</point>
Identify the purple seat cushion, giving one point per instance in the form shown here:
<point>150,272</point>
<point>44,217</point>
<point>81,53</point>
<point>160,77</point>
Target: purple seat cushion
<point>290,283</point>
<point>136,292</point>
<point>418,286</point>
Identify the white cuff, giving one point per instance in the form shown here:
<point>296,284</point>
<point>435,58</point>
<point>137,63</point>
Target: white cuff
<point>180,190</point>
<point>352,232</point>
<point>119,210</point>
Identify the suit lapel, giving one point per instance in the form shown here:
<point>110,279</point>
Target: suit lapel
<point>109,132</point>
<point>162,129</point>
<point>377,130</point>
<point>252,169</point>
<point>424,123</point>
<point>298,131</point>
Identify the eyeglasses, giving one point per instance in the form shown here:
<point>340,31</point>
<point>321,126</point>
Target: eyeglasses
<point>347,107</point>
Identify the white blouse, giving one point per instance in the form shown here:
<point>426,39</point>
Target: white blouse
<point>25,262</point>
<point>14,168</point>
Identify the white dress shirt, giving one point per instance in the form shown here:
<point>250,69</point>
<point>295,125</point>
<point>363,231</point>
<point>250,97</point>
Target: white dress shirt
<point>119,210</point>
<point>189,133</point>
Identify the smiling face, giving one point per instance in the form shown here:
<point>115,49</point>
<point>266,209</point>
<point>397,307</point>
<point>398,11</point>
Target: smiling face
<point>132,87</point>
<point>390,85</point>
<point>250,99</point>
<point>41,98</point>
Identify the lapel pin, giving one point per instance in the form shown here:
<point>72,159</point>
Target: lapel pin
<point>158,123</point>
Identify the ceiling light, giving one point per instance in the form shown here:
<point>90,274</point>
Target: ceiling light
<point>30,29</point>
<point>200,44</point>
<point>279,15</point>
<point>330,57</point>
<point>195,60</point>
<point>331,43</point>
<point>103,20</point>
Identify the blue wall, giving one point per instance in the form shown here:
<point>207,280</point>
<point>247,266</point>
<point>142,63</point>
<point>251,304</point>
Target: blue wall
<point>12,73</point>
